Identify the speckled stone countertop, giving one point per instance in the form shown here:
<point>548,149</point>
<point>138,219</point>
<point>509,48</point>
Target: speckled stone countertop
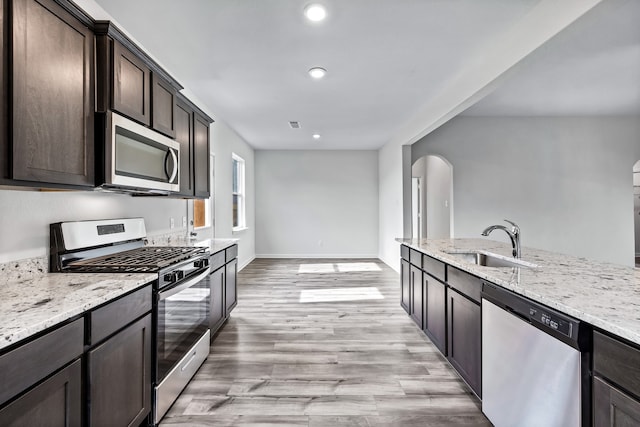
<point>34,300</point>
<point>602,294</point>
<point>29,306</point>
<point>216,245</point>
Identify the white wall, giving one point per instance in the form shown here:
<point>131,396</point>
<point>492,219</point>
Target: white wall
<point>566,181</point>
<point>390,203</point>
<point>316,203</point>
<point>25,216</point>
<point>224,142</point>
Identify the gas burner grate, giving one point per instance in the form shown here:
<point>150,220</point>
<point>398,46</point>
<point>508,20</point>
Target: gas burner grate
<point>140,260</point>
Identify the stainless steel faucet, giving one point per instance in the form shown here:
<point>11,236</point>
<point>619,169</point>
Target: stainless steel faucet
<point>514,235</point>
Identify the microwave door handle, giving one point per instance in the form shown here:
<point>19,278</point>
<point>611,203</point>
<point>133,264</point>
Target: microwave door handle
<point>174,157</point>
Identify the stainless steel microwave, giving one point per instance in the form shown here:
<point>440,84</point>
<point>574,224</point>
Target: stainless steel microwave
<point>138,158</point>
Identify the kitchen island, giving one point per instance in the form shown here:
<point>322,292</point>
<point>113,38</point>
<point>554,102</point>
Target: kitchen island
<point>602,294</point>
<point>450,288</point>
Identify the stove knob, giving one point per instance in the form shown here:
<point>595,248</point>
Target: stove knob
<point>201,263</point>
<point>171,277</point>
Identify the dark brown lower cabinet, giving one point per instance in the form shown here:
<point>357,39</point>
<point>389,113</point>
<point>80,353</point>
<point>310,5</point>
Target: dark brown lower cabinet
<point>616,382</point>
<point>218,303</point>
<point>417,296</point>
<point>464,338</point>
<point>230,291</point>
<point>55,402</point>
<point>405,285</point>
<point>435,317</point>
<point>119,377</point>
<point>613,408</point>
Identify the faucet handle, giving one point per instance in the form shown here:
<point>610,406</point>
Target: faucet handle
<point>516,229</point>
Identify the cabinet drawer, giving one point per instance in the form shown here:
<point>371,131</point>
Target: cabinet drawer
<point>434,267</point>
<point>108,319</point>
<point>415,258</point>
<point>217,260</point>
<point>28,364</point>
<point>616,361</point>
<point>232,252</point>
<point>404,252</point>
<point>468,285</point>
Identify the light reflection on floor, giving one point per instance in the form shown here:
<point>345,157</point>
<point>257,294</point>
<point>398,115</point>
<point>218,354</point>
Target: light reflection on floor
<point>341,267</point>
<point>339,294</point>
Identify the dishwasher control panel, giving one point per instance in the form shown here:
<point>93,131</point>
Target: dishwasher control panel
<point>551,320</point>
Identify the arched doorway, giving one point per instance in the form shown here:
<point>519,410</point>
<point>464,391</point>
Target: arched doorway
<point>432,198</point>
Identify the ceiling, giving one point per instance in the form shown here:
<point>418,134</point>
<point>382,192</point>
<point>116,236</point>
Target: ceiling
<point>590,68</point>
<point>247,61</point>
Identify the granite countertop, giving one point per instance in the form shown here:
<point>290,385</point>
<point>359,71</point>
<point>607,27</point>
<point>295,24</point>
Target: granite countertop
<point>216,245</point>
<point>31,305</point>
<point>602,294</point>
<point>34,300</point>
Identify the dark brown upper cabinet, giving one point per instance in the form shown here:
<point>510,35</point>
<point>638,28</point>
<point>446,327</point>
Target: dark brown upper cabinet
<point>124,81</point>
<point>201,156</point>
<point>192,132</point>
<point>163,106</point>
<point>131,85</point>
<point>184,136</point>
<point>49,140</point>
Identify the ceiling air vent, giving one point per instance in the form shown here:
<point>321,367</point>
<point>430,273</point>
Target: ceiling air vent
<point>294,125</point>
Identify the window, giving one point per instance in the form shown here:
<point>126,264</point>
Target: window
<point>238,193</point>
<point>201,210</point>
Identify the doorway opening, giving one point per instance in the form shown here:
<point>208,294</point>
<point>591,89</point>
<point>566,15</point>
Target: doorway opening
<point>431,198</point>
<point>636,210</point>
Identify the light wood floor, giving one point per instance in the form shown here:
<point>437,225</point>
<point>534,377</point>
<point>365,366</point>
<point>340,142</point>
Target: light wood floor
<point>323,343</point>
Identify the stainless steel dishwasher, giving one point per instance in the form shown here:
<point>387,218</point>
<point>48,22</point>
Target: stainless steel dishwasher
<point>535,367</point>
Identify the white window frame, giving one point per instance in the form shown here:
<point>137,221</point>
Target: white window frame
<point>241,170</point>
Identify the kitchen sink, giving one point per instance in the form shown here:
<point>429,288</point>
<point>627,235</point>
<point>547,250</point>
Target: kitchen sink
<point>487,259</point>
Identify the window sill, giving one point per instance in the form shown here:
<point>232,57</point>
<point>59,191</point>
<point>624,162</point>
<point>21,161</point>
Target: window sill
<point>238,229</point>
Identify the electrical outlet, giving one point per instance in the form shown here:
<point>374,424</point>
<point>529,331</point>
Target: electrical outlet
<point>184,221</point>
<point>320,243</point>
<point>172,223</point>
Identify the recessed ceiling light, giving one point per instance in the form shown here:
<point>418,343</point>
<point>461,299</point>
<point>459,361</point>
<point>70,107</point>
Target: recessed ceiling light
<point>317,72</point>
<point>316,136</point>
<point>315,12</point>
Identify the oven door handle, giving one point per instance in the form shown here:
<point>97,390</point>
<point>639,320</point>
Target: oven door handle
<point>162,295</point>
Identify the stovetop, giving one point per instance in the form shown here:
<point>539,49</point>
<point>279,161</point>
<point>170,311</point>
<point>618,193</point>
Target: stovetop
<point>139,260</point>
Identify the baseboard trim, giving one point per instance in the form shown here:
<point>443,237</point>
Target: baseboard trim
<point>240,267</point>
<point>319,256</point>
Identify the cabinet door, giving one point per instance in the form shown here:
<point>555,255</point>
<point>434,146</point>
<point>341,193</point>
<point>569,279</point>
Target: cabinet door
<point>120,377</point>
<point>464,350</point>
<point>163,104</point>
<point>131,85</point>
<point>613,408</point>
<point>435,318</point>
<point>52,96</point>
<point>405,285</point>
<point>54,402</point>
<point>417,294</point>
<point>230,286</point>
<point>184,136</point>
<point>218,304</point>
<point>201,156</point>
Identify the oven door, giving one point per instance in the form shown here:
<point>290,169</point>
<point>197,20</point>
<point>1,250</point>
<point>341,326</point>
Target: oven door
<point>183,318</point>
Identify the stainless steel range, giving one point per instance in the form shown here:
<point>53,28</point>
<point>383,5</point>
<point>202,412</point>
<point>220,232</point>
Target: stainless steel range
<point>181,292</point>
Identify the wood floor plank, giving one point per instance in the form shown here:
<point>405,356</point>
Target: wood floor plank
<point>323,343</point>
